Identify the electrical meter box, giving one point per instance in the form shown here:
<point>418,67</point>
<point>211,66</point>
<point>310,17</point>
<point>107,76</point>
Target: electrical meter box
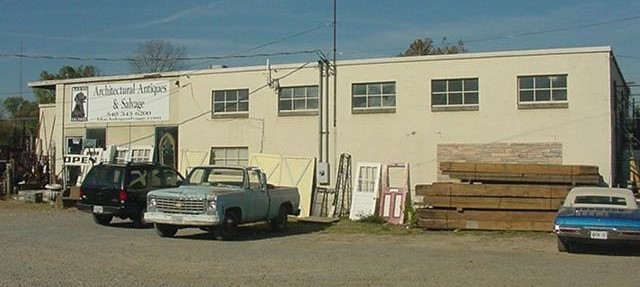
<point>322,173</point>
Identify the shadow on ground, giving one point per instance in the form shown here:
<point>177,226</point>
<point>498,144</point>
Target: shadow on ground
<point>260,231</point>
<point>618,250</point>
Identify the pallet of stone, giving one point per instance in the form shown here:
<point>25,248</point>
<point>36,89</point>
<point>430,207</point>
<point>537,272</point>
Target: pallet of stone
<point>522,173</point>
<point>485,219</point>
<point>492,196</point>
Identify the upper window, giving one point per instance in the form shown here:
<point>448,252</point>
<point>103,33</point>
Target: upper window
<point>374,97</point>
<point>454,94</point>
<point>298,99</point>
<point>238,156</point>
<point>542,91</point>
<point>230,102</point>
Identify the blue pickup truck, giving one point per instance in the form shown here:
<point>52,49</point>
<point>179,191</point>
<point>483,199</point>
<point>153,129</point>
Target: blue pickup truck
<point>597,215</point>
<point>218,199</point>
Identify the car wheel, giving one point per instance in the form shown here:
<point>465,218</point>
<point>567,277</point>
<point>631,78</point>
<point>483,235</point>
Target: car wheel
<point>165,230</point>
<point>138,219</point>
<point>229,228</point>
<point>279,224</point>
<point>102,219</point>
<point>563,245</point>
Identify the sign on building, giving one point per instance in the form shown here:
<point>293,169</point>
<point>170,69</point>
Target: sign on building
<point>131,101</point>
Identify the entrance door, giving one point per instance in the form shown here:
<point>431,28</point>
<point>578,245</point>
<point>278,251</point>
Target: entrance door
<point>395,185</point>
<point>73,146</point>
<point>366,191</point>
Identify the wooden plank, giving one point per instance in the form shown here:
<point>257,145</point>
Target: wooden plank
<point>512,168</point>
<point>492,190</point>
<point>487,215</point>
<point>526,178</point>
<point>493,202</point>
<point>484,225</point>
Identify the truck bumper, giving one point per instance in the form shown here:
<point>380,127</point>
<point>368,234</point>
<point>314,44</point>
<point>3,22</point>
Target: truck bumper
<point>181,219</point>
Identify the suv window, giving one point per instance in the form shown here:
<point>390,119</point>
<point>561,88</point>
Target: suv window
<point>105,176</point>
<point>171,177</point>
<point>137,179</point>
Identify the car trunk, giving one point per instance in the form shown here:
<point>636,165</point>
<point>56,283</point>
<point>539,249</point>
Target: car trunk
<point>600,217</point>
<point>103,184</point>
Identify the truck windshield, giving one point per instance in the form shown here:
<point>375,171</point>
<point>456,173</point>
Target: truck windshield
<point>104,176</point>
<point>217,176</point>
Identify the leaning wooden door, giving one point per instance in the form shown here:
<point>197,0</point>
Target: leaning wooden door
<point>395,186</point>
<point>366,190</point>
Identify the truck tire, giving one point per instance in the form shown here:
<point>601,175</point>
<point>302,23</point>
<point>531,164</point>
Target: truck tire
<point>165,230</point>
<point>102,219</point>
<point>229,228</point>
<point>279,224</point>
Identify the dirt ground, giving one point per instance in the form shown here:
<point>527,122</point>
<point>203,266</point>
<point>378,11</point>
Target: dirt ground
<point>42,246</point>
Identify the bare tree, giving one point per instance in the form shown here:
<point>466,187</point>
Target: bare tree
<point>157,56</point>
<point>425,47</point>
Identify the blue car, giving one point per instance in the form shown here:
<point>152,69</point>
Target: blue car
<point>597,215</point>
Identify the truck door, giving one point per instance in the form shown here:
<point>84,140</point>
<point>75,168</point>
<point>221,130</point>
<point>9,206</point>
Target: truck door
<point>258,198</point>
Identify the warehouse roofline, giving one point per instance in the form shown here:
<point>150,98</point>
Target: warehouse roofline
<point>463,56</point>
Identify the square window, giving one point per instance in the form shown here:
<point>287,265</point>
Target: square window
<point>388,101</point>
<point>302,98</point>
<point>454,92</point>
<point>542,82</point>
<point>455,99</point>
<point>471,85</point>
<point>284,105</point>
<point>389,89</point>
<point>439,99</point>
<point>359,102</point>
<point>559,95</point>
<point>373,95</point>
<point>455,85</point>
<point>438,86</point>
<point>526,96</point>
<point>470,98</point>
<point>526,82</point>
<point>312,104</point>
<point>543,89</point>
<point>359,89</point>
<point>543,95</point>
<point>374,102</point>
<point>374,89</point>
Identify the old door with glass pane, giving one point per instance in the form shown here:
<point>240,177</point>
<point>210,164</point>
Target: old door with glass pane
<point>395,186</point>
<point>366,190</point>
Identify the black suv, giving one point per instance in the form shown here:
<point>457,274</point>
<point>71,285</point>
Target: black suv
<point>120,190</point>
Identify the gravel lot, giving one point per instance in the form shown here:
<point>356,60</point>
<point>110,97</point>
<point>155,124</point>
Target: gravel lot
<point>49,247</point>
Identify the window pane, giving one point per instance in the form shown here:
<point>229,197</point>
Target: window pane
<point>438,99</point>
<point>286,93</point>
<point>374,89</point>
<point>471,85</point>
<point>285,105</point>
<point>455,99</point>
<point>389,101</point>
<point>526,96</point>
<point>312,104</point>
<point>299,104</point>
<point>243,95</point>
<point>359,102</point>
<point>470,98</point>
<point>389,89</point>
<point>243,106</point>
<point>374,102</point>
<point>218,107</point>
<point>312,92</point>
<point>360,89</point>
<point>543,95</point>
<point>559,81</point>
<point>542,82</point>
<point>559,95</point>
<point>218,96</point>
<point>299,92</point>
<point>231,107</point>
<point>231,96</point>
<point>455,85</point>
<point>526,82</point>
<point>438,86</point>
<point>243,153</point>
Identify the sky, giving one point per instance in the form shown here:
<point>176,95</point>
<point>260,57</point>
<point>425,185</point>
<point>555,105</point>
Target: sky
<point>113,29</point>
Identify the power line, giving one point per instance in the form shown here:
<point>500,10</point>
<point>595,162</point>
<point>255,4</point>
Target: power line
<point>533,33</point>
<point>116,59</point>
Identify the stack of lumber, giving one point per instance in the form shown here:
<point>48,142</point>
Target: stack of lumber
<point>500,196</point>
<point>522,173</point>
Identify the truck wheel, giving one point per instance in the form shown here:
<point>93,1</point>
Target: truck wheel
<point>279,224</point>
<point>138,219</point>
<point>229,228</point>
<point>102,219</point>
<point>165,230</point>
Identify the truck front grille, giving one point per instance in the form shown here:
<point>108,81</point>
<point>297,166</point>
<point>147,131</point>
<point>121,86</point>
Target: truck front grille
<point>180,205</point>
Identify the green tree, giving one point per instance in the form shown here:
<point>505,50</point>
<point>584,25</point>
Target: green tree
<point>66,72</point>
<point>426,46</point>
<point>157,56</point>
<point>17,107</point>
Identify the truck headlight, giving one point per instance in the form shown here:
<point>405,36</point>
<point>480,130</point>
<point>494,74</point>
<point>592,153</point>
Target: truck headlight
<point>211,206</point>
<point>151,203</point>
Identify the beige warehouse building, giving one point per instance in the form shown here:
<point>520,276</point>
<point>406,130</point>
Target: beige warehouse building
<point>561,106</point>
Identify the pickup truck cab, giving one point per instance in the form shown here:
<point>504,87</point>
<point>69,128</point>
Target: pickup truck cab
<point>218,199</point>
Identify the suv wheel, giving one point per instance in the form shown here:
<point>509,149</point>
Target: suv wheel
<point>102,219</point>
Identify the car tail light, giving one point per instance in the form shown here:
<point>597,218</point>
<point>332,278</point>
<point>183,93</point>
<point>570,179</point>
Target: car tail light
<point>122,195</point>
<point>82,195</point>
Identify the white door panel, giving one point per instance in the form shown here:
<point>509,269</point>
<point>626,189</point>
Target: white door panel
<point>366,191</point>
